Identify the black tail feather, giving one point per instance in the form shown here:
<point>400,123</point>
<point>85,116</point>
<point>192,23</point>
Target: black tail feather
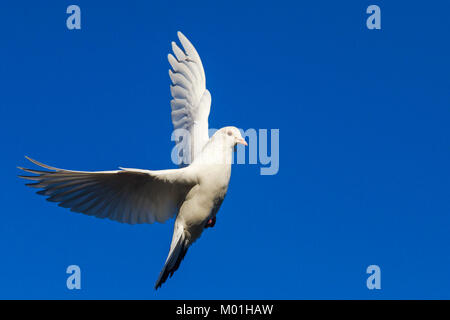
<point>173,262</point>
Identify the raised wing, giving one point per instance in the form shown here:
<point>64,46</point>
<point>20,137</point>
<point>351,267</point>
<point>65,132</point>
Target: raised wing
<point>126,195</point>
<point>191,101</point>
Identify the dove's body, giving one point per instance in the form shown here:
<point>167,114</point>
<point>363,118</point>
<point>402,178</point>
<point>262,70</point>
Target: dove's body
<point>193,194</point>
<point>212,170</point>
<point>202,203</point>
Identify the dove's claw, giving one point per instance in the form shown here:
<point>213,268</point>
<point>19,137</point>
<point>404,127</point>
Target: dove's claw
<point>211,222</point>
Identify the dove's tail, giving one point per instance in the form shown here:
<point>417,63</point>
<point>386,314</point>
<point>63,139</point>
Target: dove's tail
<point>178,249</point>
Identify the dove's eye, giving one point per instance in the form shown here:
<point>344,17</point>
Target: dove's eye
<point>229,133</point>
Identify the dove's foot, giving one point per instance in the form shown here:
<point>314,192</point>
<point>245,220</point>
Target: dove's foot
<point>211,222</point>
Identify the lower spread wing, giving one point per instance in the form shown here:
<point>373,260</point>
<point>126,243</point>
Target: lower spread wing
<point>126,195</point>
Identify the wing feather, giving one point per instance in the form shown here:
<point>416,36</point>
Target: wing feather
<point>125,195</point>
<point>191,101</point>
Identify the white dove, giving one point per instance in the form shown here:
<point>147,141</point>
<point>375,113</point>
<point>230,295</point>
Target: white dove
<point>193,193</point>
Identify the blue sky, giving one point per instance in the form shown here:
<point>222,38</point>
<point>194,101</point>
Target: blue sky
<point>364,146</point>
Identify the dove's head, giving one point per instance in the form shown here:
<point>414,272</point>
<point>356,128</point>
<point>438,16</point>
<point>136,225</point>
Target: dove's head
<point>231,136</point>
<point>219,149</point>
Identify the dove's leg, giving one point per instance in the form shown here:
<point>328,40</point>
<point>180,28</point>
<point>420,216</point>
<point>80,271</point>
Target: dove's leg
<point>211,222</point>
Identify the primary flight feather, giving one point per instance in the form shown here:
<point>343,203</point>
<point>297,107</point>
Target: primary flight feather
<point>192,193</point>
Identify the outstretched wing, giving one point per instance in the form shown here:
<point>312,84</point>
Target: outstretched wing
<point>126,195</point>
<point>191,101</point>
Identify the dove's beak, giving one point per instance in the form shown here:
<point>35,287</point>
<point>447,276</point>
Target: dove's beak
<point>242,141</point>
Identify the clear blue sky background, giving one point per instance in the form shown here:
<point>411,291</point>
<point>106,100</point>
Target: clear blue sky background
<point>364,146</point>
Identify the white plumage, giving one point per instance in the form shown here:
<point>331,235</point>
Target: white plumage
<point>193,193</point>
<point>191,101</point>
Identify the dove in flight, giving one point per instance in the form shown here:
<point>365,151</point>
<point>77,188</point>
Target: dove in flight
<point>192,193</point>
